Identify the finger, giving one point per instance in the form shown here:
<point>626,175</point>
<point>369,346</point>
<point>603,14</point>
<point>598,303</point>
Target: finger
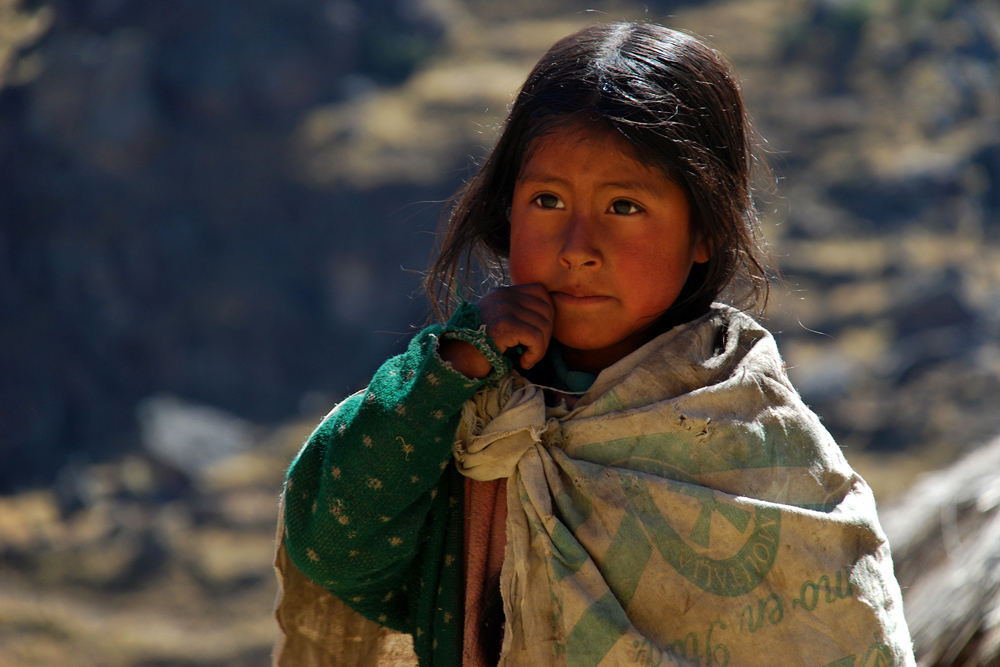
<point>516,320</point>
<point>535,297</point>
<point>511,331</point>
<point>519,315</point>
<point>539,304</point>
<point>529,302</point>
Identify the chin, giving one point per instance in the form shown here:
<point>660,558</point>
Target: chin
<point>582,341</point>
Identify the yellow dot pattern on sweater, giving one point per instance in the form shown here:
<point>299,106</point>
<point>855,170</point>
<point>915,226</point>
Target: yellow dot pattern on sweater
<point>408,412</point>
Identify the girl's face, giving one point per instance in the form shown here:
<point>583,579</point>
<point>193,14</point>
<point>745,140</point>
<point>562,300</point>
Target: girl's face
<point>608,236</point>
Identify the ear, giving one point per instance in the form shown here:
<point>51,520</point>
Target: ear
<point>703,249</point>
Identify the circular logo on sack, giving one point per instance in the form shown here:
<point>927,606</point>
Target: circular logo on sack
<point>732,576</point>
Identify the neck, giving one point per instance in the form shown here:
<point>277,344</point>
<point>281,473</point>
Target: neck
<point>595,361</point>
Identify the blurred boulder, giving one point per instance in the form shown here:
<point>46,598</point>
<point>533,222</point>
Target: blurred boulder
<point>19,29</point>
<point>945,539</point>
<point>188,436</point>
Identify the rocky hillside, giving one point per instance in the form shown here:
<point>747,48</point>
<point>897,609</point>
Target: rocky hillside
<point>212,215</point>
<point>225,200</point>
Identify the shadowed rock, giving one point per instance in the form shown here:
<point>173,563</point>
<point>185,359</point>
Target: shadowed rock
<point>945,536</point>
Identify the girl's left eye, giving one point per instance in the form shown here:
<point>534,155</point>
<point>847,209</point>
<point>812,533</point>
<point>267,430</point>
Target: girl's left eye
<point>549,201</point>
<point>624,207</point>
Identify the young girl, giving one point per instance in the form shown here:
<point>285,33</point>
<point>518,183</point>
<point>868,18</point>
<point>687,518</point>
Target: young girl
<point>596,464</point>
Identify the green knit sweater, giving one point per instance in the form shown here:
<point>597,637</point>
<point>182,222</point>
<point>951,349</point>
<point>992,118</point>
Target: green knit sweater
<point>373,502</point>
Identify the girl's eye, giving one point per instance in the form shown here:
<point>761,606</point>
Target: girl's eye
<point>624,207</point>
<point>549,201</point>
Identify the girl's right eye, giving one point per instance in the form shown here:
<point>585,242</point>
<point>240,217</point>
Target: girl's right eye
<point>549,201</point>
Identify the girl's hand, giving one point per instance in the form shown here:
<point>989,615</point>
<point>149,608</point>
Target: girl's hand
<point>519,315</point>
<point>516,315</point>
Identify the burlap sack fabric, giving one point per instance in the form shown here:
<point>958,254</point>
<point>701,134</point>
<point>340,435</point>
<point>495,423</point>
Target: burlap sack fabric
<point>689,510</point>
<point>315,629</point>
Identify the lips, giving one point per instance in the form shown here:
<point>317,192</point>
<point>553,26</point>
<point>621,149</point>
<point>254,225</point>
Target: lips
<point>578,297</point>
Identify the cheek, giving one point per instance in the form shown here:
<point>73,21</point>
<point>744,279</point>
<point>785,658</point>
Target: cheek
<point>523,261</point>
<point>519,266</point>
<point>655,279</point>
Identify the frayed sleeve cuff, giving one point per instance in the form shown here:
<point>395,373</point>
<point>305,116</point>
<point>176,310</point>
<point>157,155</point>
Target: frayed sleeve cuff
<point>466,325</point>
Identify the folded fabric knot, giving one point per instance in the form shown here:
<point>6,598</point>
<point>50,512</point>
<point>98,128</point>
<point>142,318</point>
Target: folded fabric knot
<point>498,426</point>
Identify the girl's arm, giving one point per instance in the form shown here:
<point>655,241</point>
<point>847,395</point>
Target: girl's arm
<point>367,504</point>
<point>367,490</point>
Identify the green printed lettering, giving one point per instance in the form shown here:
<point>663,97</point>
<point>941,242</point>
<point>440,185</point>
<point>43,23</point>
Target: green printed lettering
<point>771,608</point>
<point>824,583</point>
<point>747,622</point>
<point>777,611</point>
<point>803,600</point>
<point>712,651</point>
<point>683,558</point>
<point>809,593</point>
<point>698,564</point>
<point>714,575</point>
<point>761,552</point>
<point>649,653</point>
<point>843,591</point>
<point>753,562</point>
<point>731,575</point>
<point>768,529</point>
<point>680,648</point>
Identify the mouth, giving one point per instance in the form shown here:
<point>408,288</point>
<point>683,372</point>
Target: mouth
<point>578,297</point>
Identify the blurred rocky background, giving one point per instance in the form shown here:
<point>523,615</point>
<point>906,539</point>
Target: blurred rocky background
<point>213,216</point>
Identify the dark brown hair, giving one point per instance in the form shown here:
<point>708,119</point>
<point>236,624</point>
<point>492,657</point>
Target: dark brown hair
<point>678,105</point>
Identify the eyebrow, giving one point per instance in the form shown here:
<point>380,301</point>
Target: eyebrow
<point>544,179</point>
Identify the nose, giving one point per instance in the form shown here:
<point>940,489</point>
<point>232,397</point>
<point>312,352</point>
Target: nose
<point>579,244</point>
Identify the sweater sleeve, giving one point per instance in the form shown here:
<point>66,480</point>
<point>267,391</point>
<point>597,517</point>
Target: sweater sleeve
<point>367,493</point>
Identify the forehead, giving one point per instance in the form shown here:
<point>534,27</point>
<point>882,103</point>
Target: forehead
<point>585,146</point>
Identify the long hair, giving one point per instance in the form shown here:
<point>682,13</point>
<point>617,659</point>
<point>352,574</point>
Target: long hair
<point>678,105</point>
